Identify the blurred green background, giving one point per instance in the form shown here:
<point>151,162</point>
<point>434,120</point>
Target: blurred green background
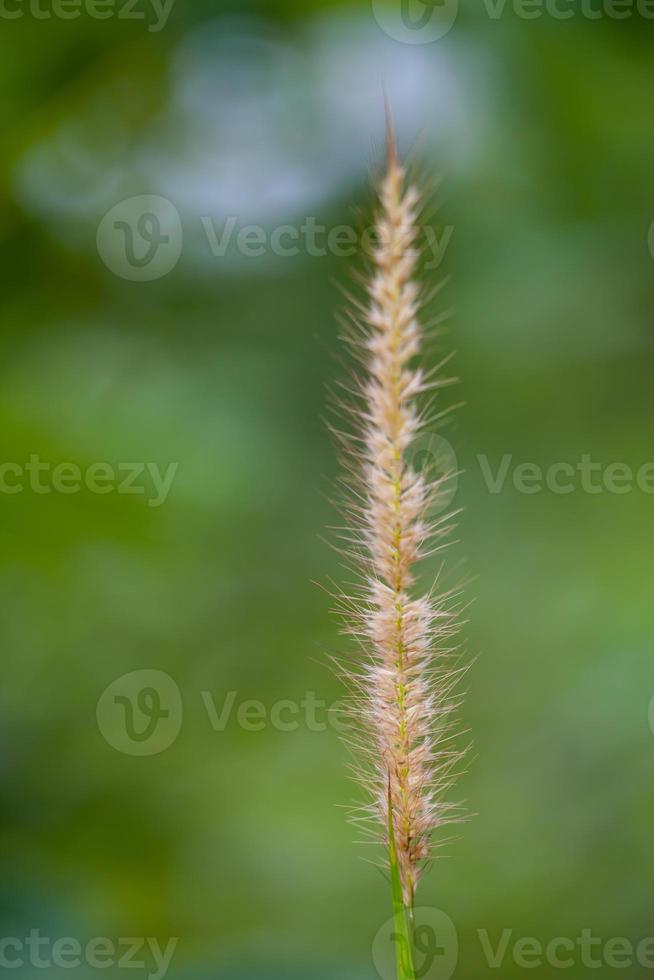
<point>232,840</point>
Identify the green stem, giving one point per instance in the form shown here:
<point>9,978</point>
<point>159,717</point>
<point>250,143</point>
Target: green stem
<point>402,935</point>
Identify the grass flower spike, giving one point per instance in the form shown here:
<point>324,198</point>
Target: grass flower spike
<point>402,686</point>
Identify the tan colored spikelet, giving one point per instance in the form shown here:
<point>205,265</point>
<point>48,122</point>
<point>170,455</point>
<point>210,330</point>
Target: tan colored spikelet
<point>402,686</point>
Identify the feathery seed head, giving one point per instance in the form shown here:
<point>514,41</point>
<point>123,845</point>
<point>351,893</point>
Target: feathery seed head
<point>402,688</point>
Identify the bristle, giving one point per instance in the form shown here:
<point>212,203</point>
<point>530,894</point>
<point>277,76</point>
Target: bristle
<point>401,689</point>
<point>391,148</point>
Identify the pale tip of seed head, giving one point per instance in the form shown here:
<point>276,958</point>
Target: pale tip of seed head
<point>391,146</point>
